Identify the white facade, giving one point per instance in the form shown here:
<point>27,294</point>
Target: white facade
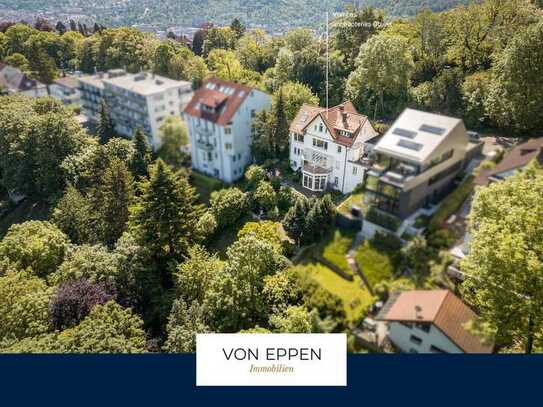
<point>135,101</point>
<point>324,161</point>
<point>420,338</point>
<point>223,151</point>
<point>66,90</point>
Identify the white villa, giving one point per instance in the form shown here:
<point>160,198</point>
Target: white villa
<point>330,146</point>
<point>219,119</point>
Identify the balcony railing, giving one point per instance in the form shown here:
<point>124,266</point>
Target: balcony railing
<point>204,145</point>
<point>316,162</point>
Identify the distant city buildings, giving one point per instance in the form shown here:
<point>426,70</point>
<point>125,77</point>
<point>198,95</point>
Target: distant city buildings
<point>141,100</point>
<point>14,81</point>
<point>330,147</point>
<point>219,118</point>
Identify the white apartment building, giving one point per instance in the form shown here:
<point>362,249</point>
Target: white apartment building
<point>220,118</point>
<point>430,321</point>
<point>330,147</point>
<point>66,89</point>
<point>135,101</point>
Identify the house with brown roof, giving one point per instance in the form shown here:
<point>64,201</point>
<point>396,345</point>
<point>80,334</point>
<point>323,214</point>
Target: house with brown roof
<point>430,321</point>
<point>329,146</point>
<point>515,160</point>
<point>14,81</point>
<point>219,118</point>
<point>66,89</point>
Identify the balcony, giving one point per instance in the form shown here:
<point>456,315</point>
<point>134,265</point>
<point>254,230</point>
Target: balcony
<point>204,145</point>
<point>316,162</point>
<point>315,168</point>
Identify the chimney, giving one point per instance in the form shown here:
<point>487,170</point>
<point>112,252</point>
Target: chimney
<point>343,117</point>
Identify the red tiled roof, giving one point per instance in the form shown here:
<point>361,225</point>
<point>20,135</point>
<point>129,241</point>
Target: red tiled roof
<point>343,117</point>
<point>517,158</point>
<point>441,308</point>
<point>224,104</point>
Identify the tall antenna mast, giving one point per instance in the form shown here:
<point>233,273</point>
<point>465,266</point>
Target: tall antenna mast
<point>327,55</point>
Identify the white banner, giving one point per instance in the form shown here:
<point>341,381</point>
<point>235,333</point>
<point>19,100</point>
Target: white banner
<point>271,360</point>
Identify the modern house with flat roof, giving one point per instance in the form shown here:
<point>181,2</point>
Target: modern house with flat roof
<point>330,146</point>
<point>430,321</point>
<point>220,122</point>
<point>141,100</point>
<point>416,162</point>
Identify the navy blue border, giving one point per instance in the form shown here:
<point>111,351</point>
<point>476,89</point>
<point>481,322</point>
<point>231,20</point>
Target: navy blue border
<point>373,380</point>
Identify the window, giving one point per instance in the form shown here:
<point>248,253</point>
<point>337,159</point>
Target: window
<point>320,144</point>
<point>299,138</point>
<point>435,349</point>
<point>239,156</point>
<point>228,146</point>
<point>234,158</point>
<point>253,113</point>
<point>209,156</point>
<point>227,130</point>
<point>339,149</point>
<point>355,170</point>
<point>415,339</point>
<point>336,181</point>
<point>423,327</point>
<point>321,128</point>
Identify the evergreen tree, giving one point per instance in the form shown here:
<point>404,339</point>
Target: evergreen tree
<point>142,154</point>
<point>106,127</point>
<point>61,28</point>
<point>183,325</point>
<point>112,200</point>
<point>295,219</point>
<point>165,216</point>
<point>281,126</point>
<point>237,27</point>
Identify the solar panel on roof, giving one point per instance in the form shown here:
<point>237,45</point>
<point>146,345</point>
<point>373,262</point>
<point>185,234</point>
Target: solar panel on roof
<point>404,133</point>
<point>439,131</point>
<point>411,145</point>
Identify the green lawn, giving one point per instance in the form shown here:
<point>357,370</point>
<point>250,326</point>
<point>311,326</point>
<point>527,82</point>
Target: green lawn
<point>205,185</point>
<point>376,265</point>
<point>354,295</point>
<point>335,247</point>
<point>224,238</point>
<point>356,199</point>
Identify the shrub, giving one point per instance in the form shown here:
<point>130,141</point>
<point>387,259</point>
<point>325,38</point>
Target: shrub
<point>228,205</point>
<point>386,242</point>
<point>40,246</point>
<point>451,204</point>
<point>73,301</point>
<point>379,218</point>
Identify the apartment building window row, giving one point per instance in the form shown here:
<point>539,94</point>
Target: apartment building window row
<point>320,143</point>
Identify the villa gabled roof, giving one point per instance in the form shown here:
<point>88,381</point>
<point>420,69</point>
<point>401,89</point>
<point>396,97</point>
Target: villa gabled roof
<point>222,96</point>
<point>14,80</point>
<point>415,135</point>
<point>338,119</point>
<point>439,307</point>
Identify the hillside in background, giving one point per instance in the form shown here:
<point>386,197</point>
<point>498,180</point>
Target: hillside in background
<point>270,14</point>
